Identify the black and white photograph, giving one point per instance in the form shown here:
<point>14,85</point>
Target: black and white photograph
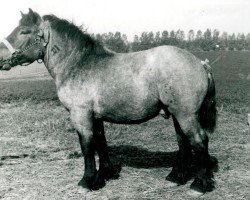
<point>124,100</point>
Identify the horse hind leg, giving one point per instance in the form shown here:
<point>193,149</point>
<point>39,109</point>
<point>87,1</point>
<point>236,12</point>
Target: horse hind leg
<point>181,173</point>
<point>198,141</point>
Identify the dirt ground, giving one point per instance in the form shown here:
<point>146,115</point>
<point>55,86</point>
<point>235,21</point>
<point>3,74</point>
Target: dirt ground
<point>40,157</point>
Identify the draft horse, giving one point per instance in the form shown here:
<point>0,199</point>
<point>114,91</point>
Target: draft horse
<point>96,85</point>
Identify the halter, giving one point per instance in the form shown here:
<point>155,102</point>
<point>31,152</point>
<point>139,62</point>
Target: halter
<point>41,39</point>
<point>8,45</point>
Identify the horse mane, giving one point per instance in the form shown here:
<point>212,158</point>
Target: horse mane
<point>84,42</point>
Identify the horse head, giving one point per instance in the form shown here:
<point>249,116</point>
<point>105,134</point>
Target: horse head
<point>25,44</point>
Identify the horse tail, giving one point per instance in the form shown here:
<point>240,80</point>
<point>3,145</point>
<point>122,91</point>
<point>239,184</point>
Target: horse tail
<point>207,113</point>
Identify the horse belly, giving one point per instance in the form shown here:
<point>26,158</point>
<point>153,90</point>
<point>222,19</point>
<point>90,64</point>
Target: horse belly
<point>128,115</point>
<point>127,110</point>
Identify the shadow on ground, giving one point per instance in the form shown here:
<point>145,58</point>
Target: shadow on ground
<point>126,155</point>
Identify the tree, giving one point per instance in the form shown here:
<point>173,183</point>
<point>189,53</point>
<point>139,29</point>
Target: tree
<point>146,40</point>
<point>172,38</point>
<point>248,38</point>
<point>164,38</point>
<point>207,43</point>
<point>180,37</point>
<point>98,37</point>
<point>151,39</point>
<point>207,35</point>
<point>136,43</point>
<point>198,39</point>
<point>191,35</point>
<point>224,40</point>
<point>248,41</point>
<point>241,41</point>
<point>104,37</point>
<point>157,39</point>
<point>232,42</point>
<point>199,35</point>
<point>215,39</point>
<point>119,42</point>
<point>190,40</point>
<point>125,39</point>
<point>115,42</point>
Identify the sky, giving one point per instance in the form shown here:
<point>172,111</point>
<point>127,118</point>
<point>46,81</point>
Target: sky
<point>135,16</point>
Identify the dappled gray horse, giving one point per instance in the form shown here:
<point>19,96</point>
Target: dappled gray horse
<point>97,85</point>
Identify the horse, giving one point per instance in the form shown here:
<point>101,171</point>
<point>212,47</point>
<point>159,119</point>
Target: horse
<point>97,85</point>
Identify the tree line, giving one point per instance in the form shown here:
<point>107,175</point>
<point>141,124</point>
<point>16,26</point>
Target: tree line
<point>195,41</point>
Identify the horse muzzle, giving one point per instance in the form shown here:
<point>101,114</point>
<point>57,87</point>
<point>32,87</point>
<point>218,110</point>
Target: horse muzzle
<point>5,56</point>
<point>5,61</point>
<point>5,66</point>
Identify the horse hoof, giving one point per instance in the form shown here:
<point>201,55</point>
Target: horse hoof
<point>83,183</point>
<point>82,191</point>
<point>203,185</point>
<point>110,172</point>
<point>194,193</point>
<point>177,177</point>
<point>98,182</point>
<point>171,184</point>
<point>93,183</point>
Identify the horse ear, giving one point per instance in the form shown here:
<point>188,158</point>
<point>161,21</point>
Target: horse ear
<point>35,16</point>
<point>30,19</point>
<point>22,14</point>
<point>31,11</point>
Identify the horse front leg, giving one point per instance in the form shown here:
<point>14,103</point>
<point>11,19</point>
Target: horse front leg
<point>106,169</point>
<point>83,123</point>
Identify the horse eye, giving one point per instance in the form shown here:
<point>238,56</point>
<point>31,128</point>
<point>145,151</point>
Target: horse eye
<point>24,32</point>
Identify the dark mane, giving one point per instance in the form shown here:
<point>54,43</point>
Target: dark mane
<point>83,40</point>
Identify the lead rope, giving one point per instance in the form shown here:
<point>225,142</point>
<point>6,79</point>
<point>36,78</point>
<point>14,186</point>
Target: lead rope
<point>218,58</point>
<point>206,64</point>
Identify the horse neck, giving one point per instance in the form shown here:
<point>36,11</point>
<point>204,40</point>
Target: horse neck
<point>62,56</point>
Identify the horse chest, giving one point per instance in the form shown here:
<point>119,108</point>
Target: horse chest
<point>73,97</point>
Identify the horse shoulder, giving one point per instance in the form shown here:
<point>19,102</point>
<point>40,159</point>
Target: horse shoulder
<point>76,95</point>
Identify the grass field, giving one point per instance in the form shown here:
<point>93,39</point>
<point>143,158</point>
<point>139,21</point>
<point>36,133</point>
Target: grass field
<point>40,155</point>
